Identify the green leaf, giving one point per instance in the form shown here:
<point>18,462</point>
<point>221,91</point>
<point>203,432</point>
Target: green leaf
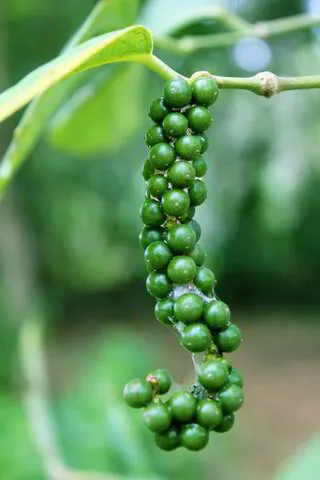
<point>129,44</point>
<point>96,104</point>
<point>305,465</point>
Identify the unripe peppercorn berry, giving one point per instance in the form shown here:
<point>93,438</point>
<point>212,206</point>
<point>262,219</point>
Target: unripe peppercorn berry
<point>157,255</point>
<point>157,185</point>
<point>188,308</point>
<point>158,285</point>
<point>175,202</point>
<point>235,377</point>
<point>162,155</point>
<point>177,93</point>
<point>205,280</point>
<point>217,315</point>
<point>181,269</point>
<point>196,337</point>
<point>157,417</point>
<point>168,440</point>
<point>137,393</point>
<point>198,255</point>
<point>163,380</point>
<point>194,437</point>
<point>175,124</point>
<point>147,169</point>
<point>203,142</point>
<point>181,239</point>
<point>213,375</point>
<point>151,213</point>
<point>155,135</point>
<point>183,406</point>
<point>164,311</point>
<point>181,174</point>
<point>229,339</point>
<point>197,193</point>
<point>158,110</point>
<point>209,413</point>
<point>195,227</point>
<point>149,235</point>
<point>205,91</point>
<point>231,398</point>
<point>188,147</point>
<point>200,166</point>
<point>226,424</point>
<point>200,119</point>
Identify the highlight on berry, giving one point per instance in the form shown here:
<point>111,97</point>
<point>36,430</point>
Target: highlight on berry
<point>182,286</point>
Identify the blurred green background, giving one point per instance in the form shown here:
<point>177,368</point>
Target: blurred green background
<point>69,252</point>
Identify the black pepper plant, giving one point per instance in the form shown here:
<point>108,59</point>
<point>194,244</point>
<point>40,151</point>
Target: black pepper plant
<point>178,280</point>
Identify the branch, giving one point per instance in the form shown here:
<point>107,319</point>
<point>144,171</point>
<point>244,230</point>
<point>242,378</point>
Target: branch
<point>262,30</point>
<point>37,405</point>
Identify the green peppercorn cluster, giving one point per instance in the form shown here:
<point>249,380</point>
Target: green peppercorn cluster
<point>182,286</point>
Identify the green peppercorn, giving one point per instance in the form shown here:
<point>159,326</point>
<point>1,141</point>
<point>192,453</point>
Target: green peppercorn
<point>197,193</point>
<point>151,213</point>
<point>231,398</point>
<point>188,147</point>
<point>181,239</point>
<point>181,269</point>
<point>155,135</point>
<point>188,308</point>
<point>226,362</point>
<point>209,413</point>
<point>162,155</point>
<point>183,406</point>
<point>235,377</point>
<point>213,374</point>
<point>158,110</point>
<point>175,124</point>
<point>162,379</point>
<point>157,185</point>
<point>190,213</point>
<point>195,227</point>
<point>149,235</point>
<point>200,119</point>
<point>203,142</point>
<point>229,339</point>
<point>147,170</point>
<point>168,440</point>
<point>198,255</point>
<point>181,174</point>
<point>217,315</point>
<point>200,166</point>
<point>157,417</point>
<point>205,91</point>
<point>157,255</point>
<point>196,337</point>
<point>137,393</point>
<point>158,285</point>
<point>164,311</point>
<point>226,424</point>
<point>175,202</point>
<point>177,93</point>
<point>205,280</point>
<point>194,437</point>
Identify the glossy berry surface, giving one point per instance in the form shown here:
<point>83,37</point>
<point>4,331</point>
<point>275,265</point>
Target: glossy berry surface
<point>197,193</point>
<point>164,311</point>
<point>217,315</point>
<point>157,255</point>
<point>235,377</point>
<point>194,437</point>
<point>152,214</point>
<point>226,424</point>
<point>168,440</point>
<point>137,393</point>
<point>177,93</point>
<point>162,155</point>
<point>162,380</point>
<point>183,406</point>
<point>175,124</point>
<point>200,119</point>
<point>229,339</point>
<point>188,147</point>
<point>149,235</point>
<point>155,135</point>
<point>175,202</point>
<point>181,239</point>
<point>158,110</point>
<point>195,227</point>
<point>213,375</point>
<point>147,169</point>
<point>181,269</point>
<point>188,308</point>
<point>209,413</point>
<point>158,285</point>
<point>203,142</point>
<point>181,174</point>
<point>157,185</point>
<point>231,398</point>
<point>205,280</point>
<point>200,166</point>
<point>198,255</point>
<point>157,417</point>
<point>196,337</point>
<point>205,91</point>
